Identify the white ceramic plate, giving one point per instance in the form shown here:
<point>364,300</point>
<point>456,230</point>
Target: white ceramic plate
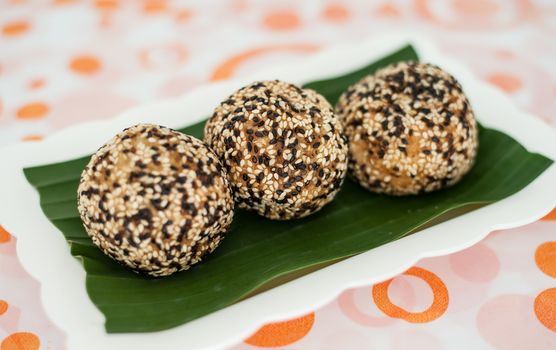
<point>45,254</point>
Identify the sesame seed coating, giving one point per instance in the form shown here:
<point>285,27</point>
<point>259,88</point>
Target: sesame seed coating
<point>410,129</point>
<point>282,146</point>
<point>155,200</point>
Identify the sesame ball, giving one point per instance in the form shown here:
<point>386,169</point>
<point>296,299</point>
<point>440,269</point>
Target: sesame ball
<point>410,129</point>
<point>155,200</point>
<point>283,148</point>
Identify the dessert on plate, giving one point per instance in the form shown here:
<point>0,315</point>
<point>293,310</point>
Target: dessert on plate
<point>283,148</point>
<point>411,129</point>
<point>155,200</point>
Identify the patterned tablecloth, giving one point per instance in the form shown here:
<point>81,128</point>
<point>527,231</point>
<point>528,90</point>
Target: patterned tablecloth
<point>63,62</point>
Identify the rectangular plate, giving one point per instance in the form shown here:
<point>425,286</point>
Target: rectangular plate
<point>45,255</point>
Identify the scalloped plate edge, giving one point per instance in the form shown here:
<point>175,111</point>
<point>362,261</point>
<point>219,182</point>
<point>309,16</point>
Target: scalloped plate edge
<point>45,255</point>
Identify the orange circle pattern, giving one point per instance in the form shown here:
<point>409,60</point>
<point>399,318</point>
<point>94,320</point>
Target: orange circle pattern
<point>437,308</point>
<point>32,137</point>
<point>550,216</point>
<point>226,69</point>
<point>32,110</point>
<point>85,64</point>
<point>3,307</point>
<point>106,4</point>
<point>21,341</point>
<point>545,258</point>
<point>388,10</point>
<point>545,308</point>
<point>36,84</point>
<point>63,2</point>
<point>282,20</point>
<point>4,235</point>
<point>154,6</point>
<point>282,333</point>
<point>336,13</point>
<point>506,81</point>
<point>15,28</point>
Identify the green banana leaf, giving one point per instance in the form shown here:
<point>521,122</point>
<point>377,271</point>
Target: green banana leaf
<point>258,251</point>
